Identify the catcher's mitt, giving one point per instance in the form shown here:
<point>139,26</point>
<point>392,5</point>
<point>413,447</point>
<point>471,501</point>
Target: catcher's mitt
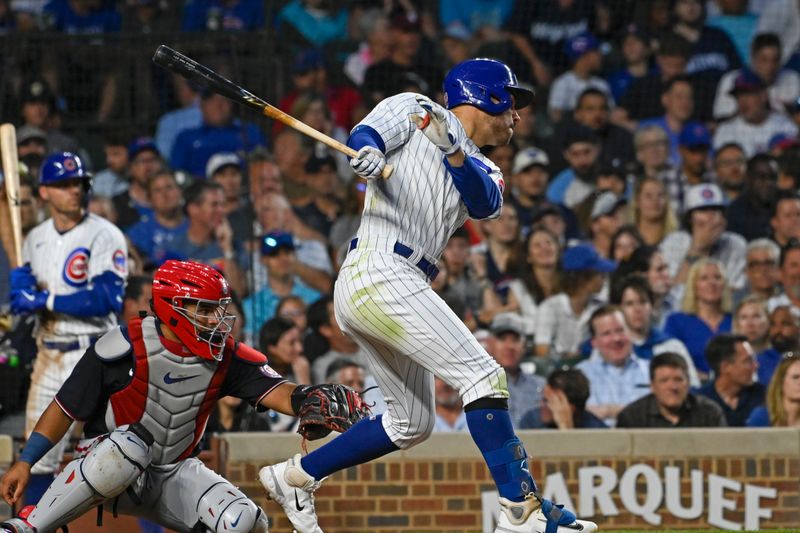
<point>327,407</point>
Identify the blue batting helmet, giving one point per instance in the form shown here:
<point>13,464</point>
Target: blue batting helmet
<point>62,166</point>
<point>487,84</point>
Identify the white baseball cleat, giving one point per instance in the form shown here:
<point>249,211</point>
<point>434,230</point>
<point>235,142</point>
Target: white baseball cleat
<point>289,485</point>
<point>530,516</point>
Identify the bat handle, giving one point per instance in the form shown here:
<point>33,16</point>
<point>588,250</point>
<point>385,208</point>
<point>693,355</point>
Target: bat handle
<point>387,171</point>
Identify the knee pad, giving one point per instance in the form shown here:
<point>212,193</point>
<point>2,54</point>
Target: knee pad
<point>509,468</point>
<point>225,509</point>
<point>109,467</point>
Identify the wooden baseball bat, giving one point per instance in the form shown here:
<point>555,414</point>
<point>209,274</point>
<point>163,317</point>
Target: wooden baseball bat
<point>193,71</point>
<point>8,147</point>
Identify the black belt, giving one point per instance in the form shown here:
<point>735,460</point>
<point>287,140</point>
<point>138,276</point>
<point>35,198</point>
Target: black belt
<point>427,268</point>
<point>67,346</point>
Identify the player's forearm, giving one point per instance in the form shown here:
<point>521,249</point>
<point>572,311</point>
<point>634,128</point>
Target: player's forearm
<point>53,424</point>
<point>480,193</point>
<point>280,399</point>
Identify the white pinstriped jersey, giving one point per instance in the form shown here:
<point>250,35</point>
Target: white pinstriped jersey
<point>65,263</point>
<point>418,205</point>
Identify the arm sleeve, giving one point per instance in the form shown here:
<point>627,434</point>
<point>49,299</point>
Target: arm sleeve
<point>103,296</point>
<point>481,192</point>
<point>81,393</point>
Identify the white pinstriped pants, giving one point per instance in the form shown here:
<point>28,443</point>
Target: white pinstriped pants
<point>386,304</point>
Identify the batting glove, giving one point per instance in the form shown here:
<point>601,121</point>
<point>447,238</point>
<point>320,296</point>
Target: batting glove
<point>22,278</point>
<point>368,163</point>
<point>434,126</point>
<point>28,301</point>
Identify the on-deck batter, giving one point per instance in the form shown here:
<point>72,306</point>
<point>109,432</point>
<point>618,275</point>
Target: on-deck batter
<point>73,278</point>
<point>384,301</point>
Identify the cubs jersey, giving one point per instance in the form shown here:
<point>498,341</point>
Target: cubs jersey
<point>418,205</point>
<point>65,263</point>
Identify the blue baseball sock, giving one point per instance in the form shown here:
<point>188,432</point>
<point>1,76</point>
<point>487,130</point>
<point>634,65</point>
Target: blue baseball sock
<point>506,458</point>
<point>365,441</point>
<point>36,488</point>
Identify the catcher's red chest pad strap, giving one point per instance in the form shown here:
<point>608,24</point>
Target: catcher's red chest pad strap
<point>246,353</point>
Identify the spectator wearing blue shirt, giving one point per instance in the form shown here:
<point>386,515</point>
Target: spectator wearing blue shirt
<point>636,52</point>
<point>635,298</point>
<point>782,407</point>
<point>617,377</point>
<point>705,311</point>
<point>155,236</point>
<point>311,23</point>
<point>133,204</point>
<point>732,359</point>
<point>188,117</point>
<point>220,132</point>
<point>475,14</point>
<point>713,53</point>
<point>784,335</point>
<point>223,15</point>
<point>278,257</point>
<point>83,16</point>
<point>677,99</point>
<point>209,238</point>
<point>563,404</point>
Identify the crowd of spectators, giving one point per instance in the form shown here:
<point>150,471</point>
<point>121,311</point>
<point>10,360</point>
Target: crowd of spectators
<point>645,268</point>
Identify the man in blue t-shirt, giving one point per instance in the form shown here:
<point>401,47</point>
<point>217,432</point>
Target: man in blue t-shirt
<point>219,132</point>
<point>223,15</point>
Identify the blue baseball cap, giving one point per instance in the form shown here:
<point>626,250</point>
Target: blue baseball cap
<point>308,60</point>
<point>584,257</point>
<point>581,44</point>
<point>694,135</point>
<point>140,144</point>
<point>747,81</point>
<point>274,241</point>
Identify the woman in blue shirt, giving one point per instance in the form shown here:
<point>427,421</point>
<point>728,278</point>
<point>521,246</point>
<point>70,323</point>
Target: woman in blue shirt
<point>705,311</point>
<point>783,397</point>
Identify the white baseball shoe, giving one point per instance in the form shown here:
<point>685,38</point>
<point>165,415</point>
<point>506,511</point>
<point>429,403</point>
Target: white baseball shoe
<point>289,485</point>
<point>531,516</point>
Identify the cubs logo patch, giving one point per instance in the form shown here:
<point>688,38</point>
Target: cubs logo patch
<point>76,267</point>
<point>120,261</point>
<point>69,164</point>
<point>269,372</point>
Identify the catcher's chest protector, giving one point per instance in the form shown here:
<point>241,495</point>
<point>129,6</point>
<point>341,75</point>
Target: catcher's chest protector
<point>171,395</point>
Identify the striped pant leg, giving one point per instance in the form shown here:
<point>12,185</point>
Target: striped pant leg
<point>50,370</point>
<point>389,308</point>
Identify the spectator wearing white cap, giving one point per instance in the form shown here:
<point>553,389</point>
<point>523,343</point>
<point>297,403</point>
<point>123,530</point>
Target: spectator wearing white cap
<point>705,236</point>
<point>529,185</point>
<point>606,217</point>
<point>225,168</point>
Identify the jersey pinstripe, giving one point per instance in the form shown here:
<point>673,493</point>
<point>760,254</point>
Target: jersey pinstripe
<point>64,263</point>
<point>419,205</point>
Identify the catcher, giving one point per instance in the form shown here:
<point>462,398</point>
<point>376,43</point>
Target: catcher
<point>145,392</point>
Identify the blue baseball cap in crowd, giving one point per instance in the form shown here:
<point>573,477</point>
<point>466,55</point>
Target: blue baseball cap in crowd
<point>782,141</point>
<point>140,144</point>
<point>695,135</point>
<point>308,60</point>
<point>583,257</point>
<point>581,44</point>
<point>274,241</point>
<point>747,81</point>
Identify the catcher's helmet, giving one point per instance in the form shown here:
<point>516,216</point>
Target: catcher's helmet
<point>205,326</point>
<point>487,84</point>
<point>62,166</point>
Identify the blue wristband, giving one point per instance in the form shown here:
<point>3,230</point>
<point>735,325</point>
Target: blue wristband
<point>35,448</point>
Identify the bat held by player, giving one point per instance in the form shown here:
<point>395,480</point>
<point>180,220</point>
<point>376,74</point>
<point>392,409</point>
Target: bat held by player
<point>193,71</point>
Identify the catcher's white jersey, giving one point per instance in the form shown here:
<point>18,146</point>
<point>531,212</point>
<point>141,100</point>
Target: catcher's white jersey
<point>66,263</point>
<point>418,205</point>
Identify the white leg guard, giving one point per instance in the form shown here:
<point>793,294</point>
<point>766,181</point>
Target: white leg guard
<point>225,509</point>
<point>108,468</point>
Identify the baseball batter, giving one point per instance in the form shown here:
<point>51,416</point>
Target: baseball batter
<point>384,301</point>
<point>73,278</point>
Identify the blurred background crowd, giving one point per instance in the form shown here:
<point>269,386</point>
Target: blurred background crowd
<point>645,269</point>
